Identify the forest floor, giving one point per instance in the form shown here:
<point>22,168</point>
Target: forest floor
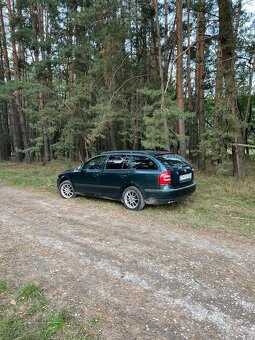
<point>138,276</point>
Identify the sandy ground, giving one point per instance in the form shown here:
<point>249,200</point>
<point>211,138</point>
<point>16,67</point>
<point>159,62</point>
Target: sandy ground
<point>144,279</point>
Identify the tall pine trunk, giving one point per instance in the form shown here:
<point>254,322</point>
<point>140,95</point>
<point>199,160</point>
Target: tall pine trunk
<point>200,73</point>
<point>248,113</point>
<point>218,147</point>
<point>227,39</point>
<point>12,109</point>
<point>20,119</point>
<point>160,69</point>
<point>192,126</point>
<point>179,77</point>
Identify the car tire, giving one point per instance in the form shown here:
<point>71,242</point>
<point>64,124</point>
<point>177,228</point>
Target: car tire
<point>66,190</point>
<point>133,199</point>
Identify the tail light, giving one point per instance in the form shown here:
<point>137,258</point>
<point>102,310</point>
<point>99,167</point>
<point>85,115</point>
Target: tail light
<point>164,178</point>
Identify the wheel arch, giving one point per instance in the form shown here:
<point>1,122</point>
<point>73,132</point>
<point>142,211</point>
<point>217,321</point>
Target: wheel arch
<point>62,179</point>
<point>131,185</point>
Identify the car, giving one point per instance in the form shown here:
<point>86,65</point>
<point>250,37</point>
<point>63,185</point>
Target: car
<point>135,178</point>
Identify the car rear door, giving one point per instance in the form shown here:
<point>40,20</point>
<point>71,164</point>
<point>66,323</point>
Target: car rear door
<point>144,173</point>
<point>115,176</point>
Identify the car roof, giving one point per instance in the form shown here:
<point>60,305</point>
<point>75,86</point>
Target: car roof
<point>143,152</point>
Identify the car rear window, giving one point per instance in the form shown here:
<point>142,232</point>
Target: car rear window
<point>171,160</point>
<point>117,162</point>
<point>143,163</point>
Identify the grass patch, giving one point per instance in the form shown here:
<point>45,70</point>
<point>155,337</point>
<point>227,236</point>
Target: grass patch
<point>220,202</point>
<point>36,175</point>
<point>31,291</point>
<point>3,285</point>
<point>54,324</point>
<point>26,314</point>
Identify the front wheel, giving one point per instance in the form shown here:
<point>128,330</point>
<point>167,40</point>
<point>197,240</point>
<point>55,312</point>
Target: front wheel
<point>66,189</point>
<point>132,198</point>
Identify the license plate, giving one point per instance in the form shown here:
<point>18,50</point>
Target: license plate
<point>185,177</point>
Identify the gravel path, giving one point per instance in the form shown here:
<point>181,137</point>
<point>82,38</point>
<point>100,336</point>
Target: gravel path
<point>143,278</point>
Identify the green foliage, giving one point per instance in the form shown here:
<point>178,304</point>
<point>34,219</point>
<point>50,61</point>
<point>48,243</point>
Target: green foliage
<point>95,65</point>
<point>160,122</point>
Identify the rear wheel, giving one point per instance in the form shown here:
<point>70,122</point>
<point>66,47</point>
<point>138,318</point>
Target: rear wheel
<point>133,199</point>
<point>66,189</point>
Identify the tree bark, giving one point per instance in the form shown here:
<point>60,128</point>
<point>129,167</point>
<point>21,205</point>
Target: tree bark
<point>161,79</point>
<point>166,36</point>
<point>248,113</point>
<point>200,74</point>
<point>153,46</point>
<point>179,77</point>
<point>5,150</point>
<point>218,121</point>
<point>12,109</point>
<point>227,38</point>
<point>21,120</point>
<point>192,126</point>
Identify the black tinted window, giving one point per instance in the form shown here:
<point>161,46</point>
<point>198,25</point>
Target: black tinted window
<point>94,164</point>
<point>143,163</point>
<point>117,162</point>
<point>170,160</point>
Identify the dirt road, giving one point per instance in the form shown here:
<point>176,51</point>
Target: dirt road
<point>143,278</point>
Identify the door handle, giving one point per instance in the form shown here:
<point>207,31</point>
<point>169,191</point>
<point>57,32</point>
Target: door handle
<point>123,176</point>
<point>95,175</point>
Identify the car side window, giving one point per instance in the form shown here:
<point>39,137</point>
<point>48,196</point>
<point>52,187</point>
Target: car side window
<point>117,162</point>
<point>126,162</point>
<point>143,163</point>
<point>94,164</point>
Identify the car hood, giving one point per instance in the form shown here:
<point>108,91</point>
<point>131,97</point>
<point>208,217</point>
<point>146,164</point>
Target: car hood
<point>69,171</point>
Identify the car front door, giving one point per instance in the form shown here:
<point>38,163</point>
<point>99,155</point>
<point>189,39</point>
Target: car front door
<point>87,179</point>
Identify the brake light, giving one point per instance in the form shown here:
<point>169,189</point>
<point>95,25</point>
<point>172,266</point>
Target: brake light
<point>164,178</point>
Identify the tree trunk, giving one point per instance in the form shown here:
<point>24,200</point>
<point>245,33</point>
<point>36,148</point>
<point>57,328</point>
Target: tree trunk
<point>17,95</point>
<point>5,151</point>
<point>166,36</point>
<point>200,73</point>
<point>160,69</point>
<point>227,39</point>
<point>218,147</point>
<point>179,76</point>
<point>43,80</point>
<point>248,113</point>
<point>12,109</point>
<point>189,87</point>
<point>192,128</point>
<point>153,46</point>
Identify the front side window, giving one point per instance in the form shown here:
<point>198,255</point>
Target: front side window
<point>94,164</point>
<point>143,163</point>
<point>116,162</point>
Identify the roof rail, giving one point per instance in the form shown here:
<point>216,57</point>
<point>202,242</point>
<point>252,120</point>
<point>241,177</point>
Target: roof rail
<point>124,151</point>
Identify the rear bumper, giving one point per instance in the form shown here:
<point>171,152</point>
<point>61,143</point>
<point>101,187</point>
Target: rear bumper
<point>168,195</point>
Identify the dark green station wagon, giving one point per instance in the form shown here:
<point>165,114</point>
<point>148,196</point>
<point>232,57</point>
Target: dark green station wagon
<point>135,178</point>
